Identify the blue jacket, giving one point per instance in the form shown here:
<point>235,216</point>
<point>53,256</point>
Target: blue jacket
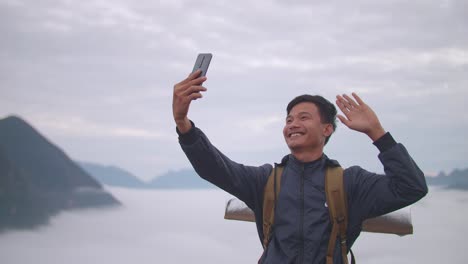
<point>302,224</point>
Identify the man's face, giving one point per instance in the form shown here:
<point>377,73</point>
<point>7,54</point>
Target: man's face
<point>304,129</point>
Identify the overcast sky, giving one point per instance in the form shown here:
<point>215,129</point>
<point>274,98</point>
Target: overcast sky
<point>96,77</point>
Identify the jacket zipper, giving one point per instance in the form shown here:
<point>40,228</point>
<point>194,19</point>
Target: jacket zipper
<point>301,231</point>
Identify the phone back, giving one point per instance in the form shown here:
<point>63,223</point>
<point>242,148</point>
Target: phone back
<point>202,62</point>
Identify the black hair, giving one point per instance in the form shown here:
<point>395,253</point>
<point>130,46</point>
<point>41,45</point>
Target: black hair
<point>326,109</point>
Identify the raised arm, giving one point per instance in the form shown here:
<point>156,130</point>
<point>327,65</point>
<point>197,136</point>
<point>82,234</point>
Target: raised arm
<point>185,92</point>
<point>244,182</point>
<point>403,182</point>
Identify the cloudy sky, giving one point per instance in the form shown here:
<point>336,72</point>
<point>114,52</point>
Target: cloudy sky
<point>96,77</point>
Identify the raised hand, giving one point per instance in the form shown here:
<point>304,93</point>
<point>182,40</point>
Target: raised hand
<point>359,116</point>
<point>184,93</point>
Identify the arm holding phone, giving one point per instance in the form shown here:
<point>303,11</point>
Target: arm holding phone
<point>244,182</point>
<point>184,93</point>
<point>189,90</point>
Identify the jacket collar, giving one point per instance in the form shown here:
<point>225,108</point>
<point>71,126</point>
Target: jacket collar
<point>290,158</point>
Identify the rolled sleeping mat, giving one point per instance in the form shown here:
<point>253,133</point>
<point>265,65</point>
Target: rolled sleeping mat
<point>397,222</point>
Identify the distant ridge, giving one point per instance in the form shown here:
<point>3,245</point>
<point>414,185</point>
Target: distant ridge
<point>115,176</point>
<point>457,179</point>
<point>38,179</point>
<point>189,179</point>
<point>182,179</point>
<point>112,176</point>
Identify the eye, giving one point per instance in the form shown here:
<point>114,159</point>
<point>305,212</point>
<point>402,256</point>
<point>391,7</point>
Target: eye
<point>288,121</point>
<point>304,117</point>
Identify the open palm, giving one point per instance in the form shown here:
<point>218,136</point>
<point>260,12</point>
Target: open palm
<point>359,116</point>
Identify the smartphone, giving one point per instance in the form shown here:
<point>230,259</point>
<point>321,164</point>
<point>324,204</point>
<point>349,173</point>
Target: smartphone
<point>202,62</point>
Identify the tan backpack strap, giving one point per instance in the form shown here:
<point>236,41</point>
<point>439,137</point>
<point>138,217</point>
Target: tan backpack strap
<point>270,196</point>
<point>337,206</point>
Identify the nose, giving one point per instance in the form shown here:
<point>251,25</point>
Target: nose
<point>292,124</point>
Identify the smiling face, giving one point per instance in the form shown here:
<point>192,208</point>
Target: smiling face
<point>304,130</point>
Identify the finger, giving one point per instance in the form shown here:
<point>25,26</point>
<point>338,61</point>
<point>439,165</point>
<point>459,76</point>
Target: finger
<point>343,108</point>
<point>183,87</point>
<point>340,104</point>
<point>347,113</point>
<point>343,120</point>
<point>194,89</point>
<point>194,74</point>
<point>195,96</point>
<point>346,102</point>
<point>358,99</point>
<point>350,100</point>
<point>190,77</point>
<point>343,104</point>
<point>197,81</point>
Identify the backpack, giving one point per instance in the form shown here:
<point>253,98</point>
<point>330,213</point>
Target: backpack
<point>337,206</point>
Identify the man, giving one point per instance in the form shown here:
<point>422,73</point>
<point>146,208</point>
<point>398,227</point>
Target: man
<point>302,225</point>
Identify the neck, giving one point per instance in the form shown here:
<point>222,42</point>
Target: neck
<point>307,156</point>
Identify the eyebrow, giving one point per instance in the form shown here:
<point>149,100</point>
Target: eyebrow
<point>299,114</point>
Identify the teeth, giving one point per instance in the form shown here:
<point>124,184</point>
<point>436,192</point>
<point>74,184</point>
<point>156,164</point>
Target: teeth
<point>295,134</point>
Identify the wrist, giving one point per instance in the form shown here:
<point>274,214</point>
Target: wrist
<point>385,142</point>
<point>183,125</point>
<point>377,133</point>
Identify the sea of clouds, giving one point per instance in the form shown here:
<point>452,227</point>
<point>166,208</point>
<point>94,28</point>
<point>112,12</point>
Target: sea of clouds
<point>187,226</point>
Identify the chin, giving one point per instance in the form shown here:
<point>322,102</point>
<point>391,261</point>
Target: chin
<point>294,146</point>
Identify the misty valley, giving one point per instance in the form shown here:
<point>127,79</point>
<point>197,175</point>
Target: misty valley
<point>56,210</point>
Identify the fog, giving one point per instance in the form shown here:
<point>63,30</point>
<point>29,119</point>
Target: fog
<point>157,226</point>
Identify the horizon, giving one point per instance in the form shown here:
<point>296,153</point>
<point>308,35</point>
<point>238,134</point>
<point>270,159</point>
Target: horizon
<point>170,170</point>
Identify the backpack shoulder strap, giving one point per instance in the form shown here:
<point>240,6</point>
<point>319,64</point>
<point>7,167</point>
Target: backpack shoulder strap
<point>270,196</point>
<point>338,208</point>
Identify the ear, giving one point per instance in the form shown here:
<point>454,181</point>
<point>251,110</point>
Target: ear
<point>327,130</point>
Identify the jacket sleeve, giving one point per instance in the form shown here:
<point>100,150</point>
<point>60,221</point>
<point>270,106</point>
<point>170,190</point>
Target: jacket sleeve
<point>244,182</point>
<point>402,184</point>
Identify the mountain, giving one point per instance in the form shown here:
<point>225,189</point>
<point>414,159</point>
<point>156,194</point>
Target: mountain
<point>457,179</point>
<point>183,179</point>
<point>115,176</point>
<point>112,176</point>
<point>20,203</point>
<point>38,179</point>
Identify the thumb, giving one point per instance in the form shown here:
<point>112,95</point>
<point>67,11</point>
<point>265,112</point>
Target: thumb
<point>344,120</point>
